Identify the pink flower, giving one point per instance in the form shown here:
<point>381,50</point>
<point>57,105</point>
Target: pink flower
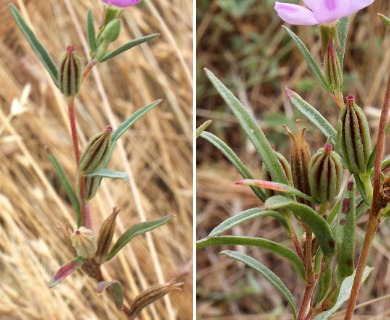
<point>121,3</point>
<point>320,11</point>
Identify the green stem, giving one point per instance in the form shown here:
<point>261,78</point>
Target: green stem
<point>366,180</point>
<point>374,218</point>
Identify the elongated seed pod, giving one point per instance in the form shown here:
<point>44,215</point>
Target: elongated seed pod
<point>96,152</point>
<point>69,72</point>
<point>325,174</point>
<point>353,137</point>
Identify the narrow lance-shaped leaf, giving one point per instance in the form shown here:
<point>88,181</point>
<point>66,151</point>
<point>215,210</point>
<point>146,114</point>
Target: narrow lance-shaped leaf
<point>313,115</point>
<point>342,32</point>
<point>67,186</point>
<point>107,173</point>
<point>114,289</point>
<point>124,126</point>
<point>137,229</point>
<point>252,130</point>
<point>91,34</point>
<point>344,232</point>
<point>234,160</point>
<point>66,270</point>
<point>384,19</point>
<point>202,128</point>
<point>39,49</point>
<point>275,186</point>
<point>128,46</point>
<point>309,59</point>
<point>314,221</point>
<point>272,246</point>
<point>245,216</point>
<point>345,293</point>
<point>271,277</point>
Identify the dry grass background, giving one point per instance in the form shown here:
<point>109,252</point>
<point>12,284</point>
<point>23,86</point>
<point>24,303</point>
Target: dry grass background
<point>254,57</point>
<point>157,152</point>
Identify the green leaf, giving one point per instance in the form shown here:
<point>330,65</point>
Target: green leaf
<point>361,208</point>
<point>344,295</point>
<point>334,211</point>
<point>309,59</point>
<point>114,289</point>
<point>252,130</point>
<point>137,229</point>
<point>371,160</point>
<point>272,246</point>
<point>344,230</point>
<point>66,270</point>
<point>202,128</point>
<point>384,19</point>
<point>313,115</point>
<point>315,222</point>
<point>342,32</point>
<point>234,159</point>
<point>130,121</point>
<point>245,216</point>
<point>67,186</point>
<point>91,32</point>
<point>272,278</point>
<point>128,46</point>
<point>362,189</point>
<point>280,187</point>
<point>107,173</point>
<point>40,51</point>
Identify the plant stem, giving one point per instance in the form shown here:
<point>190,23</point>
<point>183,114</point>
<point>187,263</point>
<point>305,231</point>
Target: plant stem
<point>374,218</point>
<point>72,120</point>
<point>85,214</point>
<point>339,99</point>
<point>87,69</point>
<point>310,284</point>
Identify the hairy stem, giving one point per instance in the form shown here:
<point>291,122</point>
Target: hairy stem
<point>87,69</point>
<point>85,214</point>
<point>374,219</point>
<point>72,120</point>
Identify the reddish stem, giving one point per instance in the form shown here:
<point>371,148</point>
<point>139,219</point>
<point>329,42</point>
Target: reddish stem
<point>72,120</point>
<point>374,218</point>
<point>84,208</point>
<point>87,69</point>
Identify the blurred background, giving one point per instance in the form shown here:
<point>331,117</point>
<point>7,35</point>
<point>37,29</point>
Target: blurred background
<point>157,151</point>
<point>243,44</point>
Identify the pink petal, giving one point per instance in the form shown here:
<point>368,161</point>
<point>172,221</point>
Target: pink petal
<point>294,14</point>
<point>356,5</point>
<point>121,3</point>
<point>329,10</point>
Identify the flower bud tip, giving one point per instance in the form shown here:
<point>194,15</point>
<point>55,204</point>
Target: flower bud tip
<point>328,147</point>
<point>70,49</point>
<point>350,99</point>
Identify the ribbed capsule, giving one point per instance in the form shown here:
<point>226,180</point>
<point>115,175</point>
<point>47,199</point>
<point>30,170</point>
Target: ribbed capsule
<point>70,70</point>
<point>265,175</point>
<point>299,161</point>
<point>332,67</point>
<point>353,137</point>
<point>105,237</point>
<point>91,187</point>
<point>84,242</point>
<point>325,174</point>
<point>96,152</point>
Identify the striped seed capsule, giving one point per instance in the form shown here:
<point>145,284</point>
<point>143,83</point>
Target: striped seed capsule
<point>96,152</point>
<point>353,137</point>
<point>325,174</point>
<point>84,242</point>
<point>70,71</point>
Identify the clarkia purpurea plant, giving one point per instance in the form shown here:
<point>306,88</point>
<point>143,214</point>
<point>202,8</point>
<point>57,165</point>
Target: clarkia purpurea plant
<point>91,251</point>
<point>308,188</point>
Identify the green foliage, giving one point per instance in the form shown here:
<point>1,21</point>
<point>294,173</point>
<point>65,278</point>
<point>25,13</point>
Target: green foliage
<point>114,289</point>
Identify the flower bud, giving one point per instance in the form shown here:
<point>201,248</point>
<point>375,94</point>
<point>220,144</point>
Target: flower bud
<point>91,187</point>
<point>112,30</point>
<point>84,242</point>
<point>299,161</point>
<point>325,174</point>
<point>96,152</point>
<point>70,70</point>
<point>105,237</point>
<point>265,175</point>
<point>353,137</point>
<point>332,66</point>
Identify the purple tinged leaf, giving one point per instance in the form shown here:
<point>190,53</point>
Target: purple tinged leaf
<point>114,289</point>
<point>66,270</point>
